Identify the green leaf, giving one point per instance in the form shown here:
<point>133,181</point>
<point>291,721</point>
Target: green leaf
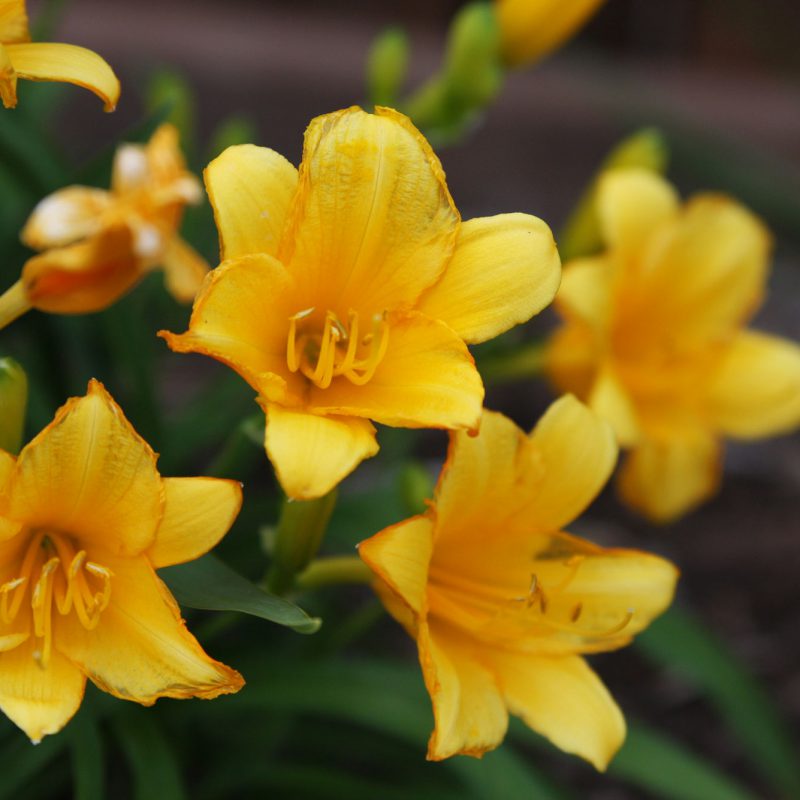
<point>88,758</point>
<point>387,66</point>
<point>212,585</point>
<point>680,641</point>
<point>155,769</point>
<point>653,762</point>
<point>21,762</point>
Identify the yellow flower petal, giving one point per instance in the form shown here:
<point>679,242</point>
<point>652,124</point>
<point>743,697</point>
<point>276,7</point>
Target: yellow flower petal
<point>504,270</point>
<point>571,359</point>
<point>65,217</point>
<point>585,293</point>
<point>531,29</point>
<point>66,62</point>
<point>312,454</point>
<point>241,317</point>
<point>8,80</point>
<point>756,389</point>
<point>373,224</point>
<point>563,699</point>
<point>665,479</point>
<point>469,711</point>
<point>704,275</point>
<point>251,189</point>
<point>7,464</point>
<point>632,204</point>
<point>83,277</point>
<point>88,473</point>
<point>610,400</point>
<point>198,512</point>
<point>399,555</point>
<point>184,270</point>
<point>13,22</point>
<point>578,453</point>
<point>426,379</point>
<point>39,701</point>
<point>141,649</point>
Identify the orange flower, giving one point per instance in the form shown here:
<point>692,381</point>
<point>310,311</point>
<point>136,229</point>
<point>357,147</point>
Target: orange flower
<point>85,519</point>
<point>502,602</point>
<point>98,244</point>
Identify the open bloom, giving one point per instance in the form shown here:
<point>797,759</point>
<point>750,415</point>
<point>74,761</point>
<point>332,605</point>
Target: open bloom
<point>531,29</point>
<point>502,602</point>
<point>85,519</point>
<point>97,244</point>
<point>653,338</point>
<point>349,288</point>
<point>40,61</point>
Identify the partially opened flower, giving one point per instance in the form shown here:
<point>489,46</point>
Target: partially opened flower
<point>349,289</point>
<point>502,602</point>
<point>531,29</point>
<point>654,338</point>
<point>40,61</point>
<point>85,519</point>
<point>98,244</point>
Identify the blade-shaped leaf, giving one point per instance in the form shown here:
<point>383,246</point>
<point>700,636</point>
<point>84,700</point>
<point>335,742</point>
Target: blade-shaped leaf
<point>212,585</point>
<point>88,758</point>
<point>680,641</point>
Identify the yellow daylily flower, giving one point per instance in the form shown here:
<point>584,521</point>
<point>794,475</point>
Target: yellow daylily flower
<point>502,602</point>
<point>42,61</point>
<point>654,338</point>
<point>349,289</point>
<point>85,519</point>
<point>531,29</point>
<point>97,244</point>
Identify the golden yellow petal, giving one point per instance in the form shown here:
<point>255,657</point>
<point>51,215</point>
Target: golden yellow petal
<point>531,29</point>
<point>13,22</point>
<point>8,80</point>
<point>141,650</point>
<point>399,555</point>
<point>703,275</point>
<point>561,698</point>
<point>504,270</point>
<point>65,62</point>
<point>65,217</point>
<point>578,452</point>
<point>83,277</point>
<point>665,479</point>
<point>427,379</point>
<point>39,701</point>
<point>632,205</point>
<point>198,512</point>
<point>469,712</point>
<point>8,528</point>
<point>572,357</point>
<point>184,270</point>
<point>586,291</point>
<point>251,189</point>
<point>755,391</point>
<point>311,454</point>
<point>610,400</point>
<point>241,317</point>
<point>373,224</point>
<point>90,475</point>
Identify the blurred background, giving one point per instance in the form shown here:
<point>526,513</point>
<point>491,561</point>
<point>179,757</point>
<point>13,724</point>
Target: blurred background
<point>721,79</point>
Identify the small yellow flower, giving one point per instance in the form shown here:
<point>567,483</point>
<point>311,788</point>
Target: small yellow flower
<point>97,244</point>
<point>349,288</point>
<point>653,338</point>
<point>531,29</point>
<point>39,61</point>
<point>502,602</point>
<point>85,519</point>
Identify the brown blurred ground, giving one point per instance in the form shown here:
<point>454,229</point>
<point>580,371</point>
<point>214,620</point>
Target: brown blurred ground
<point>726,69</point>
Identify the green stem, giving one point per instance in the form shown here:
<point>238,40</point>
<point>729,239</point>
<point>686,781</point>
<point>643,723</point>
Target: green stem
<point>332,571</point>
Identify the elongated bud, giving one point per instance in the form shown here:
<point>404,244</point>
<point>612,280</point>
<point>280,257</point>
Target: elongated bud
<point>581,236</point>
<point>13,404</point>
<point>416,487</point>
<point>300,532</point>
<point>387,65</point>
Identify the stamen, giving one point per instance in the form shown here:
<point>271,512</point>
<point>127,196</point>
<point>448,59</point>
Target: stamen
<point>378,342</point>
<point>292,354</point>
<point>42,604</point>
